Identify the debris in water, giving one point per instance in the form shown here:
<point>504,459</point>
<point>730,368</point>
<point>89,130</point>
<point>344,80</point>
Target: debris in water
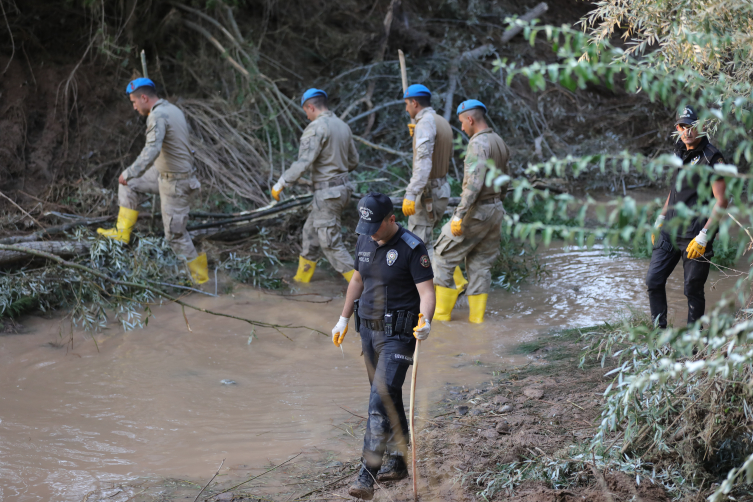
<point>228,382</point>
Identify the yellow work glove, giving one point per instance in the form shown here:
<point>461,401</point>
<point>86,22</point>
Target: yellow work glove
<point>277,189</point>
<point>411,129</point>
<point>409,207</point>
<point>421,331</point>
<point>455,226</point>
<point>339,331</point>
<point>658,224</point>
<point>697,246</point>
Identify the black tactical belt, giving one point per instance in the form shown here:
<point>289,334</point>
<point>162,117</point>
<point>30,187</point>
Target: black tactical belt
<point>329,184</point>
<point>398,322</point>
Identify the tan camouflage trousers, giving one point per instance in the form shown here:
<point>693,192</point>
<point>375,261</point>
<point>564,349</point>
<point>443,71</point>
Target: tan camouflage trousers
<point>175,198</point>
<point>422,223</point>
<point>478,246</point>
<point>321,232</point>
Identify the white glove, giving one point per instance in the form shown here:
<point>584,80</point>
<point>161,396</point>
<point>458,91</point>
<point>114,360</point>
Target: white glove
<point>338,332</point>
<point>279,185</point>
<point>702,239</point>
<point>421,332</point>
<point>659,221</point>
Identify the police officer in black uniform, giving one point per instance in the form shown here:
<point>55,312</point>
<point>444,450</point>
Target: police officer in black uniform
<point>694,243</point>
<point>393,283</point>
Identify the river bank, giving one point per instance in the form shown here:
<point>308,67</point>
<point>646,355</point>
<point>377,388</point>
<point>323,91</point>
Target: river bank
<point>147,410</point>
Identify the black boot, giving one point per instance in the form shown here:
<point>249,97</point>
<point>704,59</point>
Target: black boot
<point>363,488</point>
<point>393,468</point>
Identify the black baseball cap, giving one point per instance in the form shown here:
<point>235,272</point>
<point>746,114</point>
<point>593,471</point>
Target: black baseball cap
<point>687,117</point>
<point>372,210</point>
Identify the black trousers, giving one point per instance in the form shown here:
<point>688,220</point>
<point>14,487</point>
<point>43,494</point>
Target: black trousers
<point>664,259</point>
<point>387,361</point>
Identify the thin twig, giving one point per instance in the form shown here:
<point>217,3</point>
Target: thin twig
<point>380,147</point>
<point>19,207</point>
<point>12,42</point>
<point>359,416</point>
<point>205,486</point>
<point>255,477</point>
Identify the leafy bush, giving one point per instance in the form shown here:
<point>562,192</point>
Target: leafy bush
<point>679,394</point>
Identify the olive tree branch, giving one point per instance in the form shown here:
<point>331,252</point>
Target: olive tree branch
<point>156,291</point>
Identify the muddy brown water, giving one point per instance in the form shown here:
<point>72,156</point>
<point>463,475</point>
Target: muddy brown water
<point>149,403</point>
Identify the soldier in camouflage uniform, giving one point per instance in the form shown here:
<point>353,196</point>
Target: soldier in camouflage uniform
<point>327,147</point>
<point>474,232</point>
<point>164,167</point>
<point>428,192</point>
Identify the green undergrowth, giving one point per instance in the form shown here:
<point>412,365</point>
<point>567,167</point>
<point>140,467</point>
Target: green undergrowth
<point>674,415</point>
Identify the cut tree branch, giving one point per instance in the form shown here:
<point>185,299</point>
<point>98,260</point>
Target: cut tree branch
<point>153,290</point>
<point>520,23</point>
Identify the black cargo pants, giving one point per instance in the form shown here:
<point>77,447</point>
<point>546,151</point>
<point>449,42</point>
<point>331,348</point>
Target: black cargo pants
<point>387,361</point>
<point>664,259</point>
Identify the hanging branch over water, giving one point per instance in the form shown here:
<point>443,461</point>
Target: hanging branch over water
<point>144,287</point>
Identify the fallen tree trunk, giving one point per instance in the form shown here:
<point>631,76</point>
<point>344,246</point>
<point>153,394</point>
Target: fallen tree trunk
<point>63,249</point>
<point>55,230</point>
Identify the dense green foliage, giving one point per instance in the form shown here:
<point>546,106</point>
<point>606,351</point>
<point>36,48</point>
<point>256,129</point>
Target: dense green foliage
<point>681,392</point>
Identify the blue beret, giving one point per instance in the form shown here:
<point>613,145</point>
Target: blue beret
<point>417,90</point>
<point>312,93</point>
<point>470,105</point>
<point>139,82</point>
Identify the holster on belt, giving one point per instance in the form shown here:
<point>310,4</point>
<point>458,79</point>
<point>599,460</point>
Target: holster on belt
<point>427,200</point>
<point>355,315</point>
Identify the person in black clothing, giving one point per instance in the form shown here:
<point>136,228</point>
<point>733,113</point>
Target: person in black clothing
<point>393,283</point>
<point>694,243</point>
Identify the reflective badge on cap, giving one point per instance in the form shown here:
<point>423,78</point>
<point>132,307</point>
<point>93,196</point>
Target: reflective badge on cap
<point>391,257</point>
<point>366,213</point>
<point>425,262</point>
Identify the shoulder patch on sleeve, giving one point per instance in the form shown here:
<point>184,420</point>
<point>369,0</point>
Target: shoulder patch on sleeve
<point>410,240</point>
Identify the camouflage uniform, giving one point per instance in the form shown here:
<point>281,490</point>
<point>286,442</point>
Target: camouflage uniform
<point>432,150</point>
<point>482,213</point>
<point>327,147</point>
<point>165,167</point>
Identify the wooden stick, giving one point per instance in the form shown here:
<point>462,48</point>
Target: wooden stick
<point>414,444</point>
<point>404,74</point>
<point>143,69</point>
<point>403,70</point>
<point>223,460</point>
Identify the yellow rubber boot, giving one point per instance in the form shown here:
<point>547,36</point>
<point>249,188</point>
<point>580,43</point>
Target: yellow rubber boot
<point>305,270</point>
<point>460,281</point>
<point>477,303</point>
<point>348,275</point>
<point>199,269</point>
<point>122,231</point>
<point>446,298</point>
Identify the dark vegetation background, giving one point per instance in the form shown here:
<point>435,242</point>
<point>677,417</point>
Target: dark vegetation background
<point>65,120</point>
